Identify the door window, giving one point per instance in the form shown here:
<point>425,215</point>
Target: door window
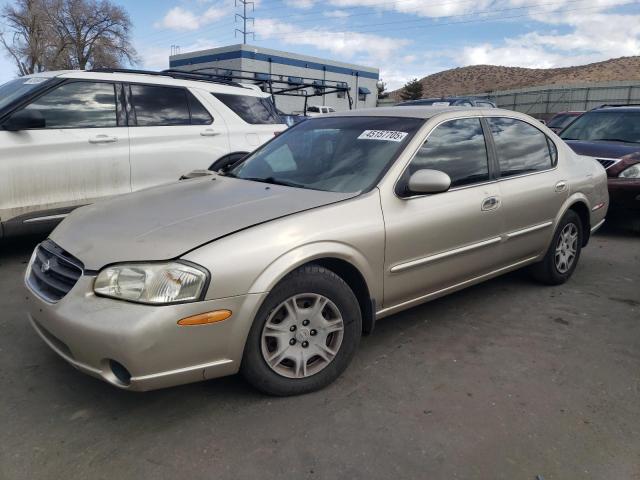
<point>521,147</point>
<point>157,106</point>
<point>253,110</point>
<point>78,105</point>
<point>199,114</point>
<point>456,147</point>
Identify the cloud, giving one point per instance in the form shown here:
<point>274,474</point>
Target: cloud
<point>336,14</point>
<point>593,37</point>
<point>157,58</point>
<point>346,44</point>
<point>420,8</point>
<point>302,4</point>
<point>179,18</point>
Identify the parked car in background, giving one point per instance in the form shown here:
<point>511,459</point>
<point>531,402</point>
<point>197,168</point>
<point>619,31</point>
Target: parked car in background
<point>316,110</point>
<point>611,135</point>
<point>290,119</point>
<point>561,120</point>
<point>450,101</point>
<point>73,137</point>
<point>277,267</point>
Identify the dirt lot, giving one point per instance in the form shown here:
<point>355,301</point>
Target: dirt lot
<point>506,380</point>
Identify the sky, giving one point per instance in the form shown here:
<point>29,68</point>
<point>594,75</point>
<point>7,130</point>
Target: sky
<point>404,38</point>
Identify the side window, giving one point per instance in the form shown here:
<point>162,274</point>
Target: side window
<point>456,147</point>
<point>553,150</point>
<point>199,114</point>
<point>157,106</point>
<point>313,109</point>
<point>78,105</point>
<point>253,110</point>
<point>521,147</point>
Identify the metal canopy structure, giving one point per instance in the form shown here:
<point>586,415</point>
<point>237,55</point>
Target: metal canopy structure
<point>274,84</point>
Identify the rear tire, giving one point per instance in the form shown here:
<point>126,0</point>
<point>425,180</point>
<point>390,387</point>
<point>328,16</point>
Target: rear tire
<point>304,335</point>
<point>561,259</point>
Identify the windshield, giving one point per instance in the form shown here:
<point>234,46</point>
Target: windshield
<point>339,154</point>
<point>14,89</point>
<point>562,120</point>
<point>605,126</point>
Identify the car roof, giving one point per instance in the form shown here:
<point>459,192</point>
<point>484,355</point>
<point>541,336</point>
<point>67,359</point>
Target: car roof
<point>447,99</point>
<point>423,111</point>
<point>155,79</point>
<point>617,108</point>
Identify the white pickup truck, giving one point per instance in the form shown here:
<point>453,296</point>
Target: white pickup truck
<point>317,110</point>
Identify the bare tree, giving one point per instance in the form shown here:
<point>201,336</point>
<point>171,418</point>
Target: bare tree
<point>29,37</point>
<point>92,34</point>
<point>69,34</point>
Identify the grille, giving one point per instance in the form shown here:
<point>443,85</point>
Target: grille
<point>606,163</point>
<point>53,271</point>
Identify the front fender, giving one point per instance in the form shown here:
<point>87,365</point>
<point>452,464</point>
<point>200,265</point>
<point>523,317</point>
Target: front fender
<point>303,254</point>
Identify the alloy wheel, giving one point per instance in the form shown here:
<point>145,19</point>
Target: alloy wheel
<point>566,248</point>
<point>302,335</point>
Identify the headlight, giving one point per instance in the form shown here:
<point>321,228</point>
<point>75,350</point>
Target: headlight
<point>154,283</point>
<point>631,172</point>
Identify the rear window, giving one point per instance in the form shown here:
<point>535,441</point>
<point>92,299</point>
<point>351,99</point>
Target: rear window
<point>254,110</point>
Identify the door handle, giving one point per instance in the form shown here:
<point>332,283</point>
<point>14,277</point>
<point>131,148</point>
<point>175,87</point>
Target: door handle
<point>490,203</point>
<point>561,186</point>
<point>103,139</point>
<point>209,132</point>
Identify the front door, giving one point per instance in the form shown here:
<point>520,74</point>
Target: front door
<point>437,241</point>
<point>81,155</point>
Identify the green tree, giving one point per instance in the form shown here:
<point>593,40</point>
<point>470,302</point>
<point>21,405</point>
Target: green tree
<point>412,90</point>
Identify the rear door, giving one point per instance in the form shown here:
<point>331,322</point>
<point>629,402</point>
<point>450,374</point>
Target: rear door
<point>172,133</point>
<point>81,155</point>
<point>252,119</point>
<point>531,186</point>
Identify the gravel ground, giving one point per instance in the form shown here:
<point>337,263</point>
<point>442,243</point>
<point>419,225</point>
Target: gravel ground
<point>505,380</point>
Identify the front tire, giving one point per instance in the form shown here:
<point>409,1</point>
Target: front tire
<point>561,259</point>
<point>304,335</point>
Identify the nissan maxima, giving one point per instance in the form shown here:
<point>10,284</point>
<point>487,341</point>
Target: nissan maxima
<point>275,267</point>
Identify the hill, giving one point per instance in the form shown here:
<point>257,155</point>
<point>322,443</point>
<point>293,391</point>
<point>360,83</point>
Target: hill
<point>486,78</point>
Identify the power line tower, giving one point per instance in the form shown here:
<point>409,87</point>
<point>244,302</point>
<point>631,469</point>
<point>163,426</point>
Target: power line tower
<point>243,4</point>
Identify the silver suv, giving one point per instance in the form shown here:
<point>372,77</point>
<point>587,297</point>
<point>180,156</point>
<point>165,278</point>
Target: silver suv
<point>277,267</point>
<point>73,137</point>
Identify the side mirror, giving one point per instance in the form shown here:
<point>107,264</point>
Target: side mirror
<point>429,181</point>
<point>24,120</point>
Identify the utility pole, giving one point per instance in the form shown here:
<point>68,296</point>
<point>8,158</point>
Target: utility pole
<point>244,18</point>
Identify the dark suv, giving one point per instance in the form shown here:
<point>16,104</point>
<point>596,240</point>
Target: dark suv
<point>611,135</point>
<point>450,101</point>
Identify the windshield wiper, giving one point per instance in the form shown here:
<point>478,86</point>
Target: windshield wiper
<point>274,181</point>
<point>613,140</point>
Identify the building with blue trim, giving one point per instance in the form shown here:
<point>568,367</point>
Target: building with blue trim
<point>291,68</point>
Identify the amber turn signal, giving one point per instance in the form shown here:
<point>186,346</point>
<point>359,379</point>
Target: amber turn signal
<point>205,318</point>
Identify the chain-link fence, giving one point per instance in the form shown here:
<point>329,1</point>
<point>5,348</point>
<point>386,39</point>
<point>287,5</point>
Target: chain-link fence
<point>545,101</point>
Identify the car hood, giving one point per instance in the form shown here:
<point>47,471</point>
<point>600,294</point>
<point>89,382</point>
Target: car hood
<point>602,149</point>
<point>165,222</point>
